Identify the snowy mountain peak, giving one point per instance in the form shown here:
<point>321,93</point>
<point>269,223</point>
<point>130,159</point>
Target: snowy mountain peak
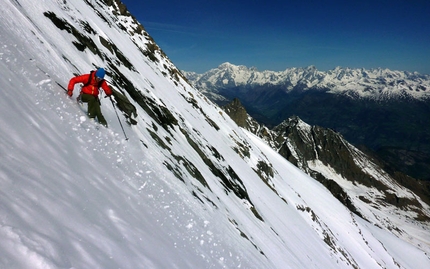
<point>374,83</point>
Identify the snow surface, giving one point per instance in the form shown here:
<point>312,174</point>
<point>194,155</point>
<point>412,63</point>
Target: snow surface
<point>76,196</point>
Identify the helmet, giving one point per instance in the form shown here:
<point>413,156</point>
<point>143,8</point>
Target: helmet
<point>100,73</point>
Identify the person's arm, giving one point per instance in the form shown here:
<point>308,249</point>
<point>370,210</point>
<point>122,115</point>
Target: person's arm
<point>74,80</point>
<point>106,88</point>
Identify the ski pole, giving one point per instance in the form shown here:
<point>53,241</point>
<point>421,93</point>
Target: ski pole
<point>126,138</point>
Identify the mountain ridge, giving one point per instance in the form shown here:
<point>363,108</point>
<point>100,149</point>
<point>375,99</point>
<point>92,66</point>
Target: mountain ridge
<point>374,83</point>
<point>304,145</point>
<point>383,110</point>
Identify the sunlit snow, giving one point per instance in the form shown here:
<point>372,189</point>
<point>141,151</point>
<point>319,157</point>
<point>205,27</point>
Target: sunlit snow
<point>76,195</point>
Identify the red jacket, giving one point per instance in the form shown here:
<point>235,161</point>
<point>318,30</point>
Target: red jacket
<point>92,88</point>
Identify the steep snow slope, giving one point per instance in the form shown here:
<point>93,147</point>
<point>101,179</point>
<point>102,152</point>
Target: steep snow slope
<point>183,192</point>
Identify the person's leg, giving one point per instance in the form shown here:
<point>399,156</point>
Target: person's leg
<point>94,108</point>
<point>101,119</point>
<point>92,103</point>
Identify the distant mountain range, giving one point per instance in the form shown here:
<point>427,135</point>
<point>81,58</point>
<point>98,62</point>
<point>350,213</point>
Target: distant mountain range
<point>386,111</point>
<point>375,83</point>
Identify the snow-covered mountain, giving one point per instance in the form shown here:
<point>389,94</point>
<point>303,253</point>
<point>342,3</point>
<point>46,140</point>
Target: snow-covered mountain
<point>375,83</point>
<point>386,111</point>
<point>187,189</point>
<point>352,176</point>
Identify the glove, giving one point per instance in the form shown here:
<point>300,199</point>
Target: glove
<point>70,93</point>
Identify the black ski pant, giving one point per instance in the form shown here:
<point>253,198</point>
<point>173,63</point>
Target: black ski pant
<point>94,110</point>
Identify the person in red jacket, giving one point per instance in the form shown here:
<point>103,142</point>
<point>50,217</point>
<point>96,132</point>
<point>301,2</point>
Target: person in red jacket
<point>90,92</point>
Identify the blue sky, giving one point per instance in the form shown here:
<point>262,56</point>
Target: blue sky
<point>275,34</point>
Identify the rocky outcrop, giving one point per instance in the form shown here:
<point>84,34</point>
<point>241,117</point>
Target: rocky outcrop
<point>326,156</point>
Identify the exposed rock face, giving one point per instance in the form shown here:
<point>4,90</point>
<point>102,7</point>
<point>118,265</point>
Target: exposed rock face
<point>237,112</point>
<point>326,156</point>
